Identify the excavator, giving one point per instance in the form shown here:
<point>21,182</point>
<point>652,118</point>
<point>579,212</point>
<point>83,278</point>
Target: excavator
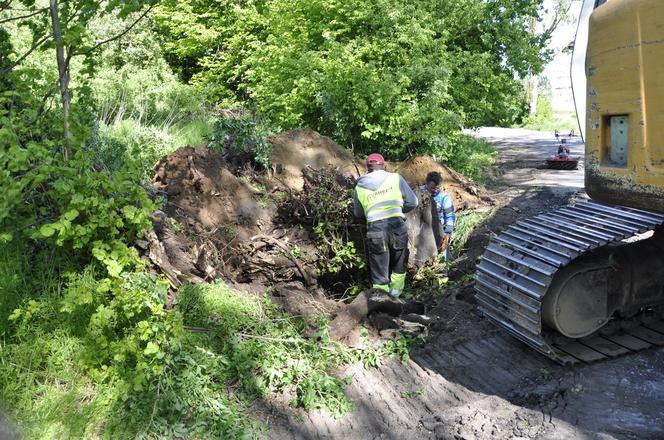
<point>586,282</point>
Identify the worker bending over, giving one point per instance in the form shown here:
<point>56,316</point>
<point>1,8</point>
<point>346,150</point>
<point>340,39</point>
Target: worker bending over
<point>383,198</point>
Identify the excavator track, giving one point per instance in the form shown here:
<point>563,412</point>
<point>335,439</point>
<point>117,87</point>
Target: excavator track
<point>519,264</point>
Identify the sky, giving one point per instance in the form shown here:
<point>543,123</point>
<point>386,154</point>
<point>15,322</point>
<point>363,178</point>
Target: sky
<point>558,70</point>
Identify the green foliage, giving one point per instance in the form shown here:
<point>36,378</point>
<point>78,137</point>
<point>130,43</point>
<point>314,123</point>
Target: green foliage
<point>105,354</point>
<point>129,143</point>
<point>400,77</point>
<point>242,133</point>
<point>143,111</point>
<point>469,156</point>
<point>101,358</point>
<point>546,119</point>
<point>128,329</point>
<point>66,202</point>
<point>466,223</point>
<point>342,254</point>
<point>93,320</point>
<point>263,349</point>
<point>134,82</point>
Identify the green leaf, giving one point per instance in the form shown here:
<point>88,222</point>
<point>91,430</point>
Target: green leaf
<point>71,214</point>
<point>15,315</point>
<point>151,348</point>
<point>46,230</point>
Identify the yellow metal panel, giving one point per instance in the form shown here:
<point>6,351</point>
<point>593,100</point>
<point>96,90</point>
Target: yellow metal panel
<point>625,73</point>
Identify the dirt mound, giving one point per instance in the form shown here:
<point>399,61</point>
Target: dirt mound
<point>216,224</point>
<point>224,219</point>
<point>296,149</point>
<point>465,193</point>
<point>205,196</point>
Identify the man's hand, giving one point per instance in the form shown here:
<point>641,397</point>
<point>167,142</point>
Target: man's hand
<point>444,243</point>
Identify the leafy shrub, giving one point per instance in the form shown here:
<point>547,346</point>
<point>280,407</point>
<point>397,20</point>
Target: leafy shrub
<point>242,134</point>
<point>101,358</point>
<point>469,156</point>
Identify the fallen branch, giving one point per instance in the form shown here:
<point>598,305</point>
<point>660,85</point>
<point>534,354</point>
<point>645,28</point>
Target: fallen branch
<point>266,338</point>
<point>307,280</point>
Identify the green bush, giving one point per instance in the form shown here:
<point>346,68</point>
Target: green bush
<point>241,133</point>
<point>90,357</point>
<point>469,156</point>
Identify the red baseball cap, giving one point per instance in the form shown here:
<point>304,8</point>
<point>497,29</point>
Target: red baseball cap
<point>375,159</point>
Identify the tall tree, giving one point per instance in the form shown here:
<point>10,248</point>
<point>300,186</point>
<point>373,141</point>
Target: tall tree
<point>67,32</point>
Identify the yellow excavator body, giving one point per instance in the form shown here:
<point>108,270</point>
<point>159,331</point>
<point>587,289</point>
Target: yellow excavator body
<point>625,104</point>
<point>583,282</point>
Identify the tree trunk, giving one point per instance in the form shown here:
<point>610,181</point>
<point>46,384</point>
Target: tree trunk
<point>63,71</point>
<point>533,85</point>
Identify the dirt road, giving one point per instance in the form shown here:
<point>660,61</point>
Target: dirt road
<point>471,380</point>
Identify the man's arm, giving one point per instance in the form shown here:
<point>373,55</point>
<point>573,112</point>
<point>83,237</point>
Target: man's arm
<point>409,197</point>
<point>447,217</point>
<point>357,206</point>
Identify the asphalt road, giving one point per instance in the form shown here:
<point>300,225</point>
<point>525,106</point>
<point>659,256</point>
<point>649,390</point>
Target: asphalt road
<point>522,154</point>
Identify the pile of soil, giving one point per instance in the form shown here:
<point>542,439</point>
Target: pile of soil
<point>303,147</point>
<point>465,193</point>
<point>205,196</point>
<point>221,220</point>
<point>216,224</point>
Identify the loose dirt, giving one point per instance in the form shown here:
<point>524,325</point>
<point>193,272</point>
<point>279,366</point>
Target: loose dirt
<point>222,218</point>
<point>465,193</point>
<point>296,149</point>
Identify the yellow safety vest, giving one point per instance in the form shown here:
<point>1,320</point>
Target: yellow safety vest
<point>383,202</point>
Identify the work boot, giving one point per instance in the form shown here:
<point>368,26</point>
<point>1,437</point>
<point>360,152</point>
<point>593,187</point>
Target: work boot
<point>394,293</point>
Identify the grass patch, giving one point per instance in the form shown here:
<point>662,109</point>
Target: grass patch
<point>564,123</point>
<point>470,156</point>
<point>192,133</point>
<point>465,224</point>
<point>235,348</point>
<point>129,142</point>
<point>264,349</point>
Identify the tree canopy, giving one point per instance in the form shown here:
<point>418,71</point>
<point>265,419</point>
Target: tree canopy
<point>400,76</point>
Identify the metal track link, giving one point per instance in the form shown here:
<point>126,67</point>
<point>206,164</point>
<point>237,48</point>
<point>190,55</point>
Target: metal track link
<point>518,266</point>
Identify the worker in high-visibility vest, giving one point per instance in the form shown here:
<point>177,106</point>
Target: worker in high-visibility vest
<point>383,198</point>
